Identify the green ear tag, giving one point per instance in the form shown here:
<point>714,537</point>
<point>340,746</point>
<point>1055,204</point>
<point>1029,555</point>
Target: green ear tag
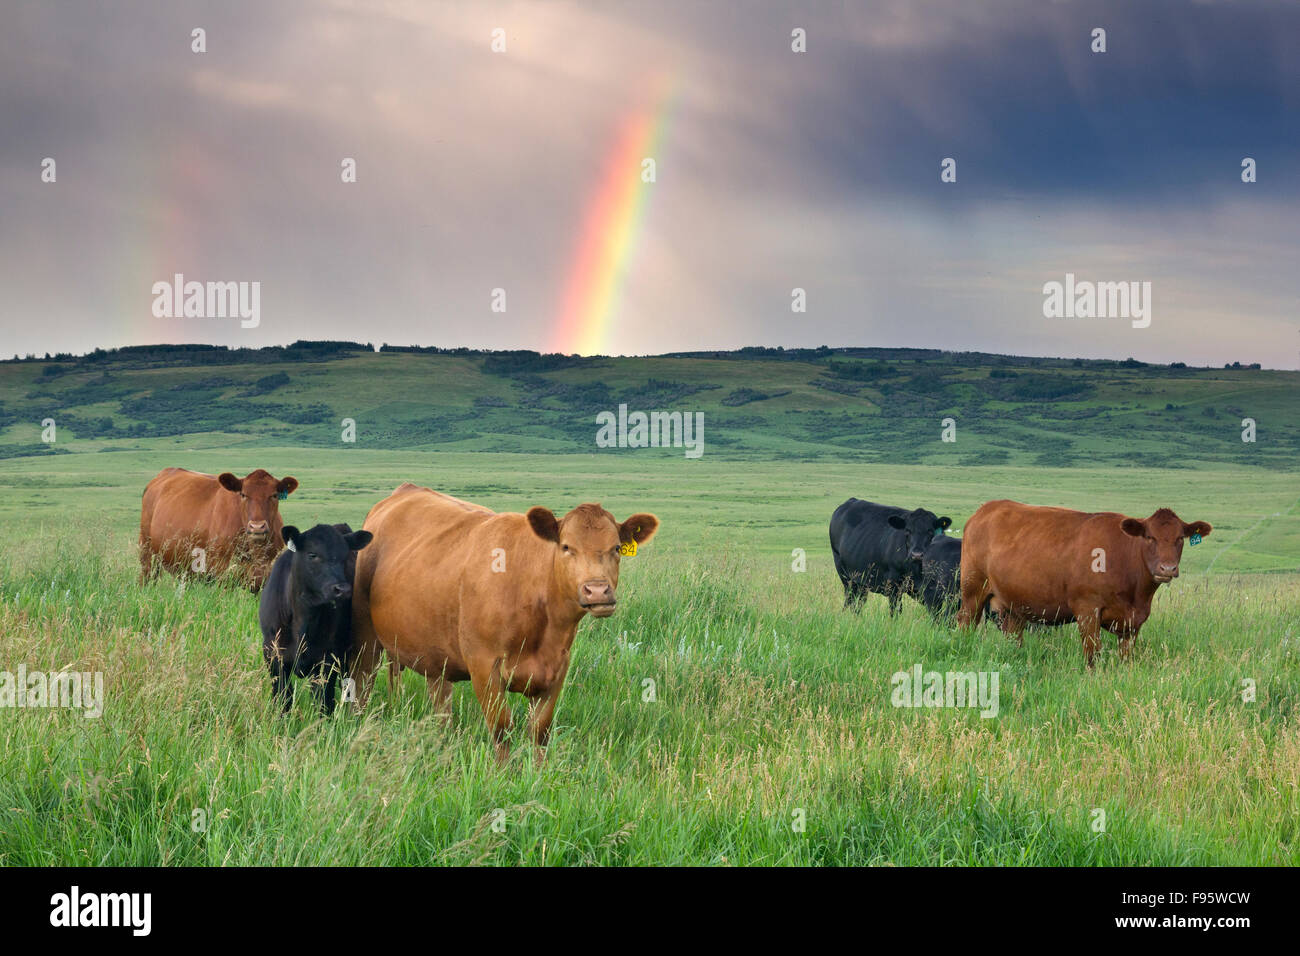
<point>282,495</point>
<point>627,550</point>
<point>1194,540</point>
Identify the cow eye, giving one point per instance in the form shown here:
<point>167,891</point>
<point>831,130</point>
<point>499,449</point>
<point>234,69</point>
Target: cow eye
<point>565,547</point>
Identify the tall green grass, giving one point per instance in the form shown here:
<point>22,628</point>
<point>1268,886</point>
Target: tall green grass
<point>772,707</point>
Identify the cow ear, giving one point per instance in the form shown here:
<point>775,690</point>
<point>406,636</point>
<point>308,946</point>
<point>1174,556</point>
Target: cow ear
<point>230,482</point>
<point>358,540</point>
<point>290,534</point>
<point>1203,528</point>
<point>943,522</point>
<point>544,524</point>
<point>1131,526</point>
<point>286,485</point>
<point>896,521</point>
<point>639,528</point>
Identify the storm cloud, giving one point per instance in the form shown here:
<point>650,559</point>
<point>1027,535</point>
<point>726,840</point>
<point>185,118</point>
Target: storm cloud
<point>820,170</point>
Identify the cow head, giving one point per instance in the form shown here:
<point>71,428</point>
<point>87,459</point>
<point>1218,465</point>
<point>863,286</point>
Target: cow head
<point>259,500</point>
<point>587,542</point>
<point>319,571</point>
<point>919,527</point>
<point>1161,539</point>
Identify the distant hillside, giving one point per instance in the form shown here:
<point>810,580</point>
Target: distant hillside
<point>861,404</point>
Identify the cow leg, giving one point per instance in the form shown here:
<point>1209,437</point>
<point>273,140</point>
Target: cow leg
<point>490,689</point>
<point>366,646</point>
<point>848,588</point>
<point>439,691</point>
<point>363,669</point>
<point>540,714</point>
<point>974,597</point>
<point>325,680</point>
<point>893,588</point>
<point>854,590</point>
<point>281,682</point>
<point>325,692</point>
<point>146,560</point>
<point>846,579</point>
<point>854,595</point>
<point>1090,630</point>
<point>542,711</point>
<point>1127,633</point>
<point>933,599</point>
<point>281,685</point>
<point>1125,626</point>
<point>1013,626</point>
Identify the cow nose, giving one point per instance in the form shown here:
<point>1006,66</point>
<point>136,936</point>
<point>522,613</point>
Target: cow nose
<point>257,527</point>
<point>917,555</point>
<point>1169,570</point>
<point>340,591</point>
<point>597,592</point>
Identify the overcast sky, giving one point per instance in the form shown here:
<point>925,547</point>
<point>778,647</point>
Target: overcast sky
<point>820,170</point>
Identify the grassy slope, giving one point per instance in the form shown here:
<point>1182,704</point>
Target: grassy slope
<point>1105,413</point>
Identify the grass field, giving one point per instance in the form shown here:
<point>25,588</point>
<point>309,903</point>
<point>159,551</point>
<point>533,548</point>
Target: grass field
<point>773,705</point>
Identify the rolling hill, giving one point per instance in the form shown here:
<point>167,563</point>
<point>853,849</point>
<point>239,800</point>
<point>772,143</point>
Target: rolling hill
<point>870,405</point>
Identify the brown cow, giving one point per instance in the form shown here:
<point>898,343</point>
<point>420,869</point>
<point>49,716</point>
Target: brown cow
<point>457,592</point>
<point>1054,566</point>
<point>232,520</point>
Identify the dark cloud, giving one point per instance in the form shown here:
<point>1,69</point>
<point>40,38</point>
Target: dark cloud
<point>818,170</point>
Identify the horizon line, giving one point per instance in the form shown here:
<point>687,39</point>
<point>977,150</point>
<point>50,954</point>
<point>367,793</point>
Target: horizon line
<point>394,348</point>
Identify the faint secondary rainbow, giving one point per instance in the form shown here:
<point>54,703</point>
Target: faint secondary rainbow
<point>611,226</point>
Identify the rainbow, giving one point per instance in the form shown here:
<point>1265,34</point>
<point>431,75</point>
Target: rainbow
<point>614,220</point>
<point>161,237</point>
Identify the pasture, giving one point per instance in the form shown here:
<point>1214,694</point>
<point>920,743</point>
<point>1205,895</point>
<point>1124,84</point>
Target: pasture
<point>771,738</point>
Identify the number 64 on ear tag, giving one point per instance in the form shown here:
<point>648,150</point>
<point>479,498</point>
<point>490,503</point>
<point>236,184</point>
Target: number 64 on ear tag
<point>628,550</point>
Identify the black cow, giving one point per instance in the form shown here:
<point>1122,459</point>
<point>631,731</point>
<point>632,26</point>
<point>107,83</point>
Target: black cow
<point>306,610</point>
<point>879,548</point>
<point>941,576</point>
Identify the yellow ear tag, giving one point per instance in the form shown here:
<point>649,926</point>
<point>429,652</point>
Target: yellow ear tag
<point>628,550</point>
